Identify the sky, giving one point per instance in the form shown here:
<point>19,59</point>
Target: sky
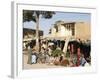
<point>46,24</point>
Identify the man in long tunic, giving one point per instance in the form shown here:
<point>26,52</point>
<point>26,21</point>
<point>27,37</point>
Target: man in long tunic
<point>29,55</point>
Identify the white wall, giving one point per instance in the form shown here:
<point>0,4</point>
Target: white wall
<point>5,39</point>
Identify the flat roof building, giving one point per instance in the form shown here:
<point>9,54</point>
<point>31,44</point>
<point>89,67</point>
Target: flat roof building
<point>63,30</point>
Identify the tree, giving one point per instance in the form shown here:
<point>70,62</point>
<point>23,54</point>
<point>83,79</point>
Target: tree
<point>30,15</point>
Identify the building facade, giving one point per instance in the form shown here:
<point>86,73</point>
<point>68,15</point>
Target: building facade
<point>30,34</point>
<point>63,29</point>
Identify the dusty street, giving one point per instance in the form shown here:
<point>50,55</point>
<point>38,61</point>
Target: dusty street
<point>37,66</point>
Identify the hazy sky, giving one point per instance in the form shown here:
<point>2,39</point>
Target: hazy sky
<point>46,24</point>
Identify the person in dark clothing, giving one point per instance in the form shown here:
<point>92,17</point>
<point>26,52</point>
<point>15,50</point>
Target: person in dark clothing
<point>61,58</point>
<point>58,43</point>
<point>62,44</point>
<point>30,46</point>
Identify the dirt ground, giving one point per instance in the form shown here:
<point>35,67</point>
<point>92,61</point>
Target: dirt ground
<point>37,65</point>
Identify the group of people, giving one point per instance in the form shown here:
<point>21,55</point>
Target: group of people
<point>77,54</point>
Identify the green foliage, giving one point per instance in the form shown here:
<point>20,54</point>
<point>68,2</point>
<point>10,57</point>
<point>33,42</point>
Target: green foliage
<point>68,54</point>
<point>31,15</point>
<point>56,53</point>
<point>28,16</point>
